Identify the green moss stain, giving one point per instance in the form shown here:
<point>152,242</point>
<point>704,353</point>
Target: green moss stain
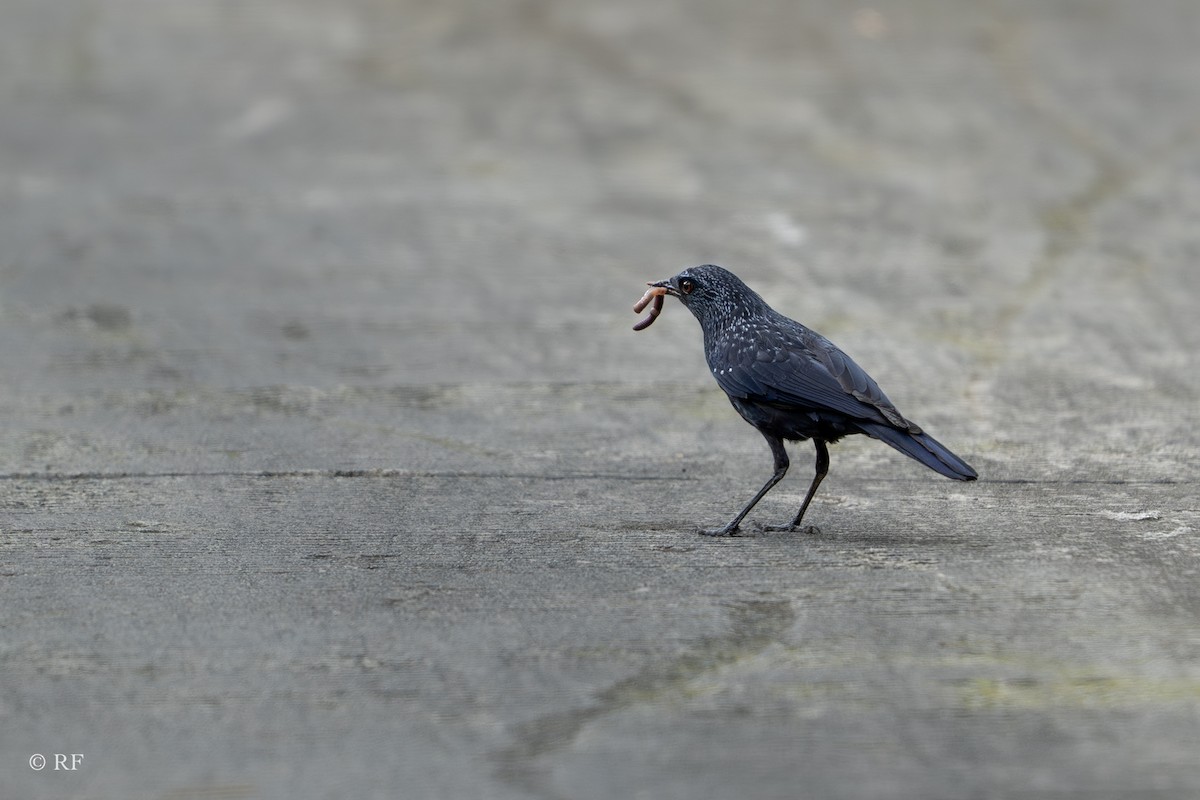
<point>1076,690</point>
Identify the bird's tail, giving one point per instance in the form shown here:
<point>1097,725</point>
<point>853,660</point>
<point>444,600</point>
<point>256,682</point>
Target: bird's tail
<point>923,448</point>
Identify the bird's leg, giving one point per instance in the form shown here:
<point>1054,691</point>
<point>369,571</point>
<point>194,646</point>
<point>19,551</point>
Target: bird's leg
<point>781,467</point>
<point>822,471</point>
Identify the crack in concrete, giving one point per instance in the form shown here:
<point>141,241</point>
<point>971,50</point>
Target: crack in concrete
<point>1066,223</point>
<point>68,477</point>
<point>53,477</point>
<point>754,625</point>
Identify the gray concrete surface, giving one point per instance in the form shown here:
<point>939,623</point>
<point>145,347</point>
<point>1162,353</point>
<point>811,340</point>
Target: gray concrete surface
<point>330,467</point>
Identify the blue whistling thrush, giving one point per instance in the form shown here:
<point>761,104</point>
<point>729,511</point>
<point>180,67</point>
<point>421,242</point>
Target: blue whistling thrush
<point>790,382</point>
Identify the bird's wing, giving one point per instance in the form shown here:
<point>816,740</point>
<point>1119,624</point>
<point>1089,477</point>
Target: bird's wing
<point>798,367</point>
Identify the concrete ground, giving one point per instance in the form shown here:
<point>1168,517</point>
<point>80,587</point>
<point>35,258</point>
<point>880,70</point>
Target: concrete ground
<point>331,468</point>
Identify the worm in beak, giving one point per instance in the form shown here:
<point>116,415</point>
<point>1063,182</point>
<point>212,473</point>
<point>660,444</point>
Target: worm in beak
<point>654,295</point>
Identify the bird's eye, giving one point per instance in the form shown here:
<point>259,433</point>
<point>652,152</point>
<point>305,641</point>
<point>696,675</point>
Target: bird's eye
<point>687,285</point>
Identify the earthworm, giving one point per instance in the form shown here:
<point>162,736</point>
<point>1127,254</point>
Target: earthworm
<point>654,294</point>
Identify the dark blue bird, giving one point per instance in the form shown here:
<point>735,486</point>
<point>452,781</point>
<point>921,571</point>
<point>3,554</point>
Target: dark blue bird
<point>792,383</point>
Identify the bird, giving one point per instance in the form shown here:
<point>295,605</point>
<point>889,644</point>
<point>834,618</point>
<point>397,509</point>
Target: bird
<point>791,383</point>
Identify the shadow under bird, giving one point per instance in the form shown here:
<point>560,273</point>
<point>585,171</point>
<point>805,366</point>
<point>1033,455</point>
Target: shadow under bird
<point>789,382</point>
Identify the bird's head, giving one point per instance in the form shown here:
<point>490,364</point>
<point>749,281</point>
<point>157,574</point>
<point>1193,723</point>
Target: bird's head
<point>713,294</point>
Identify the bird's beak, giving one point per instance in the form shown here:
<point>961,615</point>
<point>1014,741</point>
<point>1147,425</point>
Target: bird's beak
<point>671,290</point>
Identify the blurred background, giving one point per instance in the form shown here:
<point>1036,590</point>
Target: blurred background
<point>366,191</point>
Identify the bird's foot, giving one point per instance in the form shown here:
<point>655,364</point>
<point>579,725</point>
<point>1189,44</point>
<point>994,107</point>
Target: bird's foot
<point>810,529</point>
